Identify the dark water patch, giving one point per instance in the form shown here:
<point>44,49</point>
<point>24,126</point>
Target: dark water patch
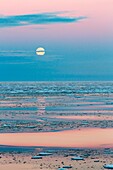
<point>19,108</point>
<point>15,149</point>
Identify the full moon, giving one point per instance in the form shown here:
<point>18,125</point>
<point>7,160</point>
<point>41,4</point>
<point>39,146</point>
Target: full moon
<point>40,51</point>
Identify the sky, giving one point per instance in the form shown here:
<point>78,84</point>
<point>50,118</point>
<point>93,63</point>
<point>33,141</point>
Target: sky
<point>77,36</point>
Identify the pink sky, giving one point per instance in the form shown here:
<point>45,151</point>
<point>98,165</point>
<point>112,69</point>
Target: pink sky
<point>99,13</point>
<point>82,6</point>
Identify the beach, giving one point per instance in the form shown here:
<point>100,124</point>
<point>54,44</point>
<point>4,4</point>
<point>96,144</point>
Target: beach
<point>66,119</point>
<point>18,158</point>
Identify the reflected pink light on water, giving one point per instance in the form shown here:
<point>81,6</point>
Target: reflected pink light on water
<point>84,117</point>
<point>93,138</point>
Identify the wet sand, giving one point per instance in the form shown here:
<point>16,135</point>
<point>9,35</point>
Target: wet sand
<point>92,138</point>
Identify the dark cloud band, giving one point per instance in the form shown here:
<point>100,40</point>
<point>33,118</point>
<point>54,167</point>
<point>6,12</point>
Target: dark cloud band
<point>35,19</point>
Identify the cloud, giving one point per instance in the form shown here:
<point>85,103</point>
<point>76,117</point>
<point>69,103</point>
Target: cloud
<point>35,19</point>
<point>25,57</point>
<point>16,53</point>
